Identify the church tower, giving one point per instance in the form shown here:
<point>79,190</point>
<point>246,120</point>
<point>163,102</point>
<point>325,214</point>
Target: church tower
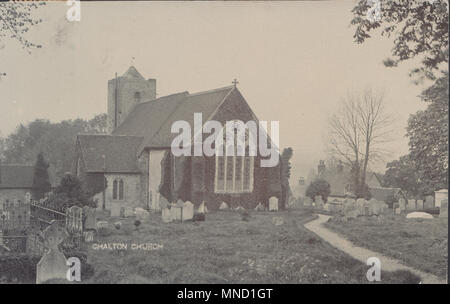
<point>126,91</point>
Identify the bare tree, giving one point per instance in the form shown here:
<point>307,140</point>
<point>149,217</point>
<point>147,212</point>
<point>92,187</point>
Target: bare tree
<point>358,132</point>
<point>16,18</point>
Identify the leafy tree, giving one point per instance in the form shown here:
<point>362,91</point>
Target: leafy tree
<point>286,155</point>
<point>55,140</point>
<point>419,29</point>
<point>428,136</point>
<point>16,18</point>
<point>318,187</point>
<point>70,192</point>
<point>41,180</point>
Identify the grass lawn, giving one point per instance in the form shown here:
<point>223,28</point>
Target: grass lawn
<point>226,249</point>
<point>419,243</point>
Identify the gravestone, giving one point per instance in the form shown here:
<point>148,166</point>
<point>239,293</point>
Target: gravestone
<point>166,215</point>
<point>188,211</point>
<point>273,203</point>
<point>53,263</point>
<point>74,220</point>
<point>411,204</point>
<point>259,207</point>
<point>141,214</point>
<point>307,202</point>
<point>429,202</point>
<point>202,208</point>
<point>402,204</point>
<point>360,202</point>
<point>128,212</point>
<point>115,209</point>
<point>398,211</point>
<point>350,209</point>
<point>175,212</point>
<point>88,236</point>
<point>319,201</point>
<point>277,220</point>
<point>419,205</point>
<point>443,210</point>
<point>223,206</point>
<point>102,224</point>
<point>90,223</point>
<point>326,207</point>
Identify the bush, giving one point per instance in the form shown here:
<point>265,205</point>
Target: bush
<point>18,268</point>
<point>319,187</point>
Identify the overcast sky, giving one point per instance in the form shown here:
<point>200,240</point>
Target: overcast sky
<point>293,61</point>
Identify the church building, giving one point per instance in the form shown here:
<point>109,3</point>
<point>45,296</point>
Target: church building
<point>133,165</point>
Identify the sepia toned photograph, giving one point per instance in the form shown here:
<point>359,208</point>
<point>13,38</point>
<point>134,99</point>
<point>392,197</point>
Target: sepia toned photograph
<point>224,142</point>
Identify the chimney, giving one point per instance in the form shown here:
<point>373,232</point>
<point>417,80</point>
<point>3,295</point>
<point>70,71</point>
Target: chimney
<point>321,168</point>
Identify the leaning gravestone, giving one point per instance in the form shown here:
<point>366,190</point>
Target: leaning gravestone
<point>273,203</point>
<point>188,211</point>
<point>443,212</point>
<point>429,202</point>
<point>53,263</point>
<point>402,204</point>
<point>411,204</point>
<point>419,205</point>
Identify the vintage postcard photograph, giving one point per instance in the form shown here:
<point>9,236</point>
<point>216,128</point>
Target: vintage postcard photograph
<point>224,142</point>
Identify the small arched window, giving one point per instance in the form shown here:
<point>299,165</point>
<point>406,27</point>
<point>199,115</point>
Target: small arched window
<point>137,96</point>
<point>118,189</point>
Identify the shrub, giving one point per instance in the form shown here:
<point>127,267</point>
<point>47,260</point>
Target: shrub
<point>318,187</point>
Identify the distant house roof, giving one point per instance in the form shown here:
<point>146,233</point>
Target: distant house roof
<point>119,152</point>
<point>16,176</point>
<point>153,119</point>
<point>382,194</point>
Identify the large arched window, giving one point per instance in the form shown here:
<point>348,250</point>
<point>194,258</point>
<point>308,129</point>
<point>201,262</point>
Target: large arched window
<point>234,174</point>
<point>118,189</point>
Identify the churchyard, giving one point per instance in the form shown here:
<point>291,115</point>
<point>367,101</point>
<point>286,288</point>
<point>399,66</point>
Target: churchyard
<point>228,247</point>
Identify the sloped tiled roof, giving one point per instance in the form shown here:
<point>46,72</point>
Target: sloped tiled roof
<point>381,194</point>
<point>119,151</point>
<point>204,102</point>
<point>16,176</point>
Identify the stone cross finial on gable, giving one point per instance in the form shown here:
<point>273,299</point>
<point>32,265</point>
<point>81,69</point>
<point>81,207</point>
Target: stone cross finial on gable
<point>235,82</point>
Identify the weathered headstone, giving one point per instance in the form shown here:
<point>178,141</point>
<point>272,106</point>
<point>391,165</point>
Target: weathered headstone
<point>273,203</point>
<point>319,201</point>
<point>360,203</point>
<point>443,210</point>
<point>398,211</point>
<point>259,207</point>
<point>175,212</point>
<point>141,214</point>
<point>277,220</point>
<point>202,208</point>
<point>411,204</point>
<point>327,207</point>
<point>166,215</point>
<point>307,202</point>
<point>223,206</point>
<point>128,212</point>
<point>188,211</point>
<point>90,223</point>
<point>53,263</point>
<point>115,209</point>
<point>102,224</point>
<point>350,209</point>
<point>402,204</point>
<point>74,219</point>
<point>419,205</point>
<point>429,202</point>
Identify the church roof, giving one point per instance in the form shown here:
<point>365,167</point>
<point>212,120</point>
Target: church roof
<point>16,176</point>
<point>119,152</point>
<point>152,120</point>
